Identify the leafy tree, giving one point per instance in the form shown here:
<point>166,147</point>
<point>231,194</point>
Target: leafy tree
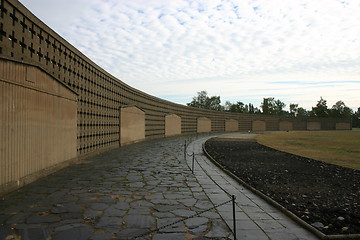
<point>293,109</point>
<point>239,107</point>
<point>203,101</point>
<point>279,106</point>
<point>227,106</point>
<point>254,110</point>
<point>321,109</point>
<point>213,103</point>
<point>251,108</point>
<point>356,118</point>
<point>199,101</point>
<point>340,110</point>
<point>302,112</point>
<point>270,106</point>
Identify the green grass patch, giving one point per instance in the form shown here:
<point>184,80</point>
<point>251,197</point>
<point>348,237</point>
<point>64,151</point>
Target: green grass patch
<point>336,147</point>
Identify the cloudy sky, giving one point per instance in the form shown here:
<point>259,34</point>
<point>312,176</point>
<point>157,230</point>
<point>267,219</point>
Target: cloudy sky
<point>242,50</point>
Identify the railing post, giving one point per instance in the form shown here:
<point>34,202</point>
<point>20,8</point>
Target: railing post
<point>234,217</point>
<point>185,150</point>
<point>193,162</point>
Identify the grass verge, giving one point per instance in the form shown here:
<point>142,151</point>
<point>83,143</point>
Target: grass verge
<point>336,147</point>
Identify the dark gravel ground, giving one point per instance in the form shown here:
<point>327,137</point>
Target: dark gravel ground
<point>324,195</point>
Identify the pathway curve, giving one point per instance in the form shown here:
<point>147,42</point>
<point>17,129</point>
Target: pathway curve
<point>128,192</point>
<point>121,194</point>
<point>255,218</point>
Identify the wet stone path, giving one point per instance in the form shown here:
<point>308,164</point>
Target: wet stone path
<point>121,194</point>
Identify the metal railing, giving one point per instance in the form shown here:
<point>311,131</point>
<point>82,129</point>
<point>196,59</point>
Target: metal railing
<point>192,168</point>
<point>232,197</point>
<point>192,216</point>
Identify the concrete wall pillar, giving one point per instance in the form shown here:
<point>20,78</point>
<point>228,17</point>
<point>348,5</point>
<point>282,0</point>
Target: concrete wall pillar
<point>172,125</point>
<point>231,125</point>
<point>285,126</point>
<point>343,126</point>
<point>259,125</point>
<point>132,125</point>
<point>38,125</point>
<point>313,126</point>
<point>203,125</point>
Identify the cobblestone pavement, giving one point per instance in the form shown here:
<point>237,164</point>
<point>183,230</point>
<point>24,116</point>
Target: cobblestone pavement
<point>121,194</point>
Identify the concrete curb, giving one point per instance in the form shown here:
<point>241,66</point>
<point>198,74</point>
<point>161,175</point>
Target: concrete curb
<point>280,207</point>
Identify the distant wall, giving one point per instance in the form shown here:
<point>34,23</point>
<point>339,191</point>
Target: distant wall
<point>70,107</point>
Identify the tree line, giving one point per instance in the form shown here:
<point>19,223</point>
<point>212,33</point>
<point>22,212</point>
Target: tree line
<point>272,106</point>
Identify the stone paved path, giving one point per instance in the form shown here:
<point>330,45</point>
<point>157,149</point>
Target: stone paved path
<point>131,191</point>
<point>120,194</point>
<point>255,218</point>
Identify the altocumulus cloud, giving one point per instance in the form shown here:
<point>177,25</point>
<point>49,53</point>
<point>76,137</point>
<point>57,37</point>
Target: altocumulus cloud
<point>241,50</point>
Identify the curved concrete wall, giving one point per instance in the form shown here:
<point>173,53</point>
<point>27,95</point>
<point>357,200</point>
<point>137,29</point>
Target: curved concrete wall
<point>99,97</point>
